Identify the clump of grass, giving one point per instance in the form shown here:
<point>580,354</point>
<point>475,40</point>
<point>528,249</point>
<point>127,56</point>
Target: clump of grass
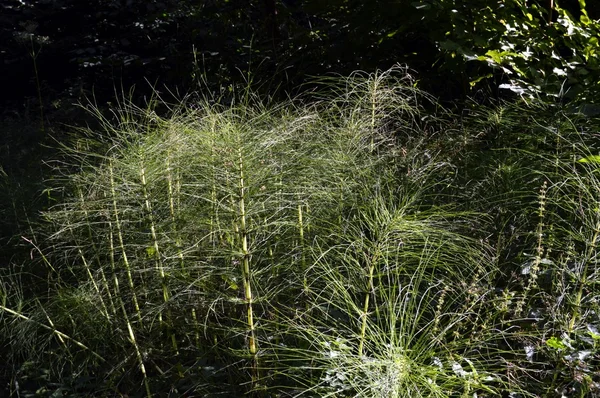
<point>546,248</point>
<point>387,315</point>
<point>571,296</point>
<point>260,249</point>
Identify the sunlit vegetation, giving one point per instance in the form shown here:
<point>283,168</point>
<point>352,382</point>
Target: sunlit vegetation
<point>357,242</point>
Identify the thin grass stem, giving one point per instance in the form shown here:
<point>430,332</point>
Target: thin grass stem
<point>58,333</point>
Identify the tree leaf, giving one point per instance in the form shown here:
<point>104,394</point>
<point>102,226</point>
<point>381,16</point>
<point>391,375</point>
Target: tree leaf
<point>590,159</point>
<point>554,342</point>
<point>150,251</point>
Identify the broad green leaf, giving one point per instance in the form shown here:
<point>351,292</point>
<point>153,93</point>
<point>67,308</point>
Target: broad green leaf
<point>500,56</point>
<point>585,19</point>
<point>554,342</point>
<point>150,251</point>
<point>495,56</point>
<point>472,83</point>
<point>590,159</point>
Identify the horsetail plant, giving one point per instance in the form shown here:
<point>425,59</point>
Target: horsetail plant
<point>156,253</point>
<point>324,214</point>
<point>130,329</point>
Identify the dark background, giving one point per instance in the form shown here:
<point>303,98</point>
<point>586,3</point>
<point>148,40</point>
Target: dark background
<point>84,48</point>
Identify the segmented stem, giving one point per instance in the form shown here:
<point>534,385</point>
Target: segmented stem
<point>157,252</point>
<point>243,234</point>
<point>121,242</point>
<point>365,313</point>
<point>130,330</point>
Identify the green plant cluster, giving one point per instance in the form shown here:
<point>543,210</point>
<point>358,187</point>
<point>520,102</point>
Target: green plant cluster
<point>542,57</point>
<point>349,243</point>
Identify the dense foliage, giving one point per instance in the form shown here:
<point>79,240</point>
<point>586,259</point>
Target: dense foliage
<point>80,47</point>
<point>246,223</point>
<point>355,246</point>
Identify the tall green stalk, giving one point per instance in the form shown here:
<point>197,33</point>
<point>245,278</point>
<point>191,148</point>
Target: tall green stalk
<point>370,290</point>
<point>374,106</point>
<point>126,263</point>
<point>583,280</point>
<point>130,330</point>
<point>157,254</point>
<point>100,269</point>
<point>174,195</point>
<point>243,236</point>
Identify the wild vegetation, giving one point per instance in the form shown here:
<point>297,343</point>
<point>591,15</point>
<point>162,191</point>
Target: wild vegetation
<point>247,223</point>
<point>352,243</point>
